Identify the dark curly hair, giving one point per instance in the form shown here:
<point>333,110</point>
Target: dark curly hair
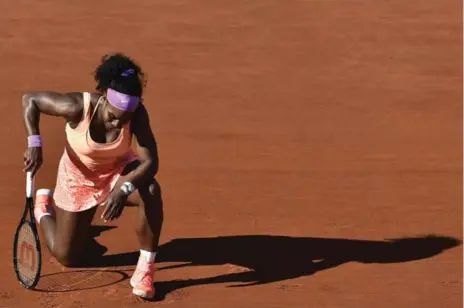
<point>121,73</point>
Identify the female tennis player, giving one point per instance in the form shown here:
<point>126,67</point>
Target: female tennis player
<point>99,166</point>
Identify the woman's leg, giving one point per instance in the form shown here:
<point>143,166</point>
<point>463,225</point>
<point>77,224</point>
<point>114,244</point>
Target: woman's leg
<point>150,216</point>
<point>148,228</point>
<point>65,233</point>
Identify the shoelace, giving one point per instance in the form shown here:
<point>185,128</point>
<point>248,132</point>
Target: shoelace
<point>147,274</point>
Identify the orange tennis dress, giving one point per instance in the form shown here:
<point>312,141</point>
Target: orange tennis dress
<point>88,170</point>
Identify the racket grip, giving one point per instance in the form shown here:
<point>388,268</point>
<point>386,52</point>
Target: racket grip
<point>29,184</point>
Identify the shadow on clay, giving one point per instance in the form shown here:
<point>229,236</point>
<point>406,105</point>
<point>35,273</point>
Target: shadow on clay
<point>79,280</point>
<point>68,280</point>
<point>262,259</point>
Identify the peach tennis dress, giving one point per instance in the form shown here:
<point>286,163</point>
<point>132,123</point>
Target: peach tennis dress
<point>88,170</point>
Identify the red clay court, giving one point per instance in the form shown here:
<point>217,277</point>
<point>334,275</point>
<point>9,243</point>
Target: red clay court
<point>307,149</point>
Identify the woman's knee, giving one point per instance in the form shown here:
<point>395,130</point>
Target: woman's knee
<point>152,188</point>
<point>65,257</point>
<point>151,200</point>
<point>148,193</point>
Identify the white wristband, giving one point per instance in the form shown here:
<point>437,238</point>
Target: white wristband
<point>128,188</point>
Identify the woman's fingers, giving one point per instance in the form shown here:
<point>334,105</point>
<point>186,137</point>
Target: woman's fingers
<point>116,212</point>
<point>28,165</point>
<point>34,169</point>
<point>105,211</point>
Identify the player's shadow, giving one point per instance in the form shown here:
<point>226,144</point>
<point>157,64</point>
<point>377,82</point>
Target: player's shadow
<point>93,246</point>
<point>261,259</point>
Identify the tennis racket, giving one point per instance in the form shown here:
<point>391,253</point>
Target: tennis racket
<point>27,257</point>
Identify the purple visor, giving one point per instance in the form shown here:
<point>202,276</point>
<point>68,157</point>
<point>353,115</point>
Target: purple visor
<point>122,101</point>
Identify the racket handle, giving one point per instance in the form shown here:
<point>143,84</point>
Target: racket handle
<point>29,184</point>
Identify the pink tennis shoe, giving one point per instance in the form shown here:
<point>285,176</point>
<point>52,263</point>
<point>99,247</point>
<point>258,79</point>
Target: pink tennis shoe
<point>142,279</point>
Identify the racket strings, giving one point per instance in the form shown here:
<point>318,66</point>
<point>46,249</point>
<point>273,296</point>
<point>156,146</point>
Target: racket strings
<point>27,262</point>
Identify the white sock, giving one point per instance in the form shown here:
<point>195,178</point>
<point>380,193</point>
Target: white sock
<point>148,255</point>
<point>49,212</point>
<point>44,191</point>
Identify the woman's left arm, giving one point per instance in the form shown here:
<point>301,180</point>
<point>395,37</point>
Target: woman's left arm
<point>145,171</point>
<point>147,149</point>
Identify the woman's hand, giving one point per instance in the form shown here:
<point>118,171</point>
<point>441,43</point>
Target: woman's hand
<point>33,160</point>
<point>114,205</point>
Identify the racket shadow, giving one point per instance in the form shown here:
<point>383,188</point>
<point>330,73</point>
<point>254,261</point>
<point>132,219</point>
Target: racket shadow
<point>79,280</point>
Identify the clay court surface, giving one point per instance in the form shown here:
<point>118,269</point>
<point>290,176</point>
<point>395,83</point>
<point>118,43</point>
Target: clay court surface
<point>307,149</point>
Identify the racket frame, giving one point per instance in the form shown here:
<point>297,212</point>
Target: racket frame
<point>29,208</point>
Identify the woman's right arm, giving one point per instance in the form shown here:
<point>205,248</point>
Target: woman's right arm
<point>69,106</point>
